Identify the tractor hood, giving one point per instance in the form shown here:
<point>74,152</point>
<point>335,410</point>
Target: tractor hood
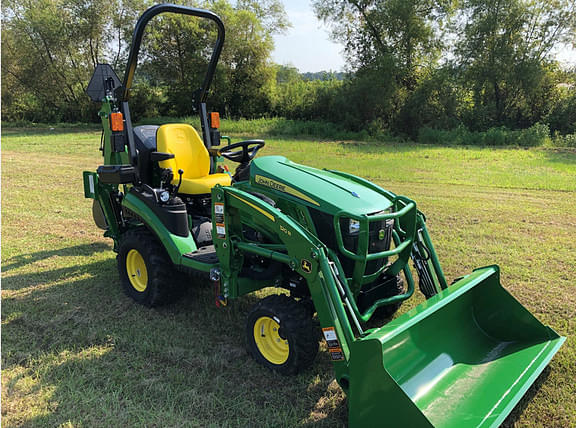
<point>321,189</point>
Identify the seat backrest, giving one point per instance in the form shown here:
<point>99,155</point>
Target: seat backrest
<point>145,140</point>
<point>190,154</point>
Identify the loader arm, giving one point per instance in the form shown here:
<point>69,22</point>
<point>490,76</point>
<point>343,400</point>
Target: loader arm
<point>410,368</point>
<point>296,247</point>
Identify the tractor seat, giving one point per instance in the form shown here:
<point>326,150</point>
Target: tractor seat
<point>191,156</point>
<point>145,140</point>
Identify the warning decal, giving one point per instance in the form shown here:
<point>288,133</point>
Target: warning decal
<point>331,338</point>
<point>336,354</point>
<point>219,217</point>
<point>334,348</point>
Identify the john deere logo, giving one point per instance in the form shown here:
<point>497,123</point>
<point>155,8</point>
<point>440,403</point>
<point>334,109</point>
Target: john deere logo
<point>381,234</point>
<point>306,266</point>
<point>281,187</point>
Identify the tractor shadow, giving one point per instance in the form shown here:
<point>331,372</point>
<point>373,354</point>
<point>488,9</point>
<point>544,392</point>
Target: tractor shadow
<point>109,361</point>
<point>78,250</point>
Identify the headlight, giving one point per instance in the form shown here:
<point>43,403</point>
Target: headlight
<point>353,226</point>
<point>164,196</point>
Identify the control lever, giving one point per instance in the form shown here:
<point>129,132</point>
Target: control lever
<point>180,172</point>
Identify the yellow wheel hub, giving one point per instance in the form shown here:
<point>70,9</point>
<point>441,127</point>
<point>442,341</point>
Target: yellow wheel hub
<point>272,347</point>
<point>136,269</point>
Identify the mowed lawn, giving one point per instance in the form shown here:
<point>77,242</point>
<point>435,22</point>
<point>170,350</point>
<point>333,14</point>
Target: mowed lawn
<point>77,352</point>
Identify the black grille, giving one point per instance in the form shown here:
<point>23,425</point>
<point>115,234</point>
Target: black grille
<point>325,228</point>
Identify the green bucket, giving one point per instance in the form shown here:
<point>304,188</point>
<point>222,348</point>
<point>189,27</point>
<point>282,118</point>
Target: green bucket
<point>464,358</point>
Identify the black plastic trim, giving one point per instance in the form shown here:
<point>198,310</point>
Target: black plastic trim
<point>160,156</point>
<point>116,174</point>
<point>172,214</point>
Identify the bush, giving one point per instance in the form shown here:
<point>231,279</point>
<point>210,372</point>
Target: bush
<point>146,101</point>
<point>277,126</point>
<point>293,128</point>
<point>560,140</point>
<point>536,135</point>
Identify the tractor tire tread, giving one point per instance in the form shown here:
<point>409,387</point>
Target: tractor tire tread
<point>164,285</point>
<point>296,320</point>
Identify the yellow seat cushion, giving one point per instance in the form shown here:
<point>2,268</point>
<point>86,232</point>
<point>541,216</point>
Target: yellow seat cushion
<point>191,156</point>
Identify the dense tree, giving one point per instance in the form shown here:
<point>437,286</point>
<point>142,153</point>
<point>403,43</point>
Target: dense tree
<point>391,44</point>
<point>439,63</point>
<point>248,76</point>
<point>504,55</point>
<point>50,48</point>
<point>413,65</point>
<point>403,34</point>
<point>562,115</point>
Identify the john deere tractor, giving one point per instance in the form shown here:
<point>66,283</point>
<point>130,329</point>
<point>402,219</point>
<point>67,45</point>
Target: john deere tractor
<point>339,247</point>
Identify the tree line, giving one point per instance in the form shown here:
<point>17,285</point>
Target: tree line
<point>51,47</point>
<point>413,65</point>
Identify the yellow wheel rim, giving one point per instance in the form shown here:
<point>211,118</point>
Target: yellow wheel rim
<point>136,269</point>
<point>272,347</point>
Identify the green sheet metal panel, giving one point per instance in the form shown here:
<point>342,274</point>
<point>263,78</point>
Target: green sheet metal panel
<point>315,187</point>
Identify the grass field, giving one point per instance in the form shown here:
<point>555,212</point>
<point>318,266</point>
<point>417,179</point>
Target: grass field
<point>77,352</point>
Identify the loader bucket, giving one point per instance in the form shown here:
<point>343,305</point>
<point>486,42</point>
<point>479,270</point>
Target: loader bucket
<point>464,358</point>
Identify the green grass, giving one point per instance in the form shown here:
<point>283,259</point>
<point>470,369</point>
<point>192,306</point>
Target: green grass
<point>77,352</point>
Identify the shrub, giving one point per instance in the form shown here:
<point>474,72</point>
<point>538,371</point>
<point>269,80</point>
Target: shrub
<point>560,140</point>
<point>536,135</point>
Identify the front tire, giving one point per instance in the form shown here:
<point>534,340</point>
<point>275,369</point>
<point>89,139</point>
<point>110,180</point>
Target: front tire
<point>281,335</point>
<point>146,272</point>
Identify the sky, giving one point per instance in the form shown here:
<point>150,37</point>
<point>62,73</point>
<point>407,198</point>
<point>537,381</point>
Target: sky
<point>307,45</point>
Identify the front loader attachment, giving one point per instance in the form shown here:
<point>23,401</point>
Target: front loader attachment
<point>464,358</point>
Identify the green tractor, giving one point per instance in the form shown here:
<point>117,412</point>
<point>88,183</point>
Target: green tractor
<point>340,245</point>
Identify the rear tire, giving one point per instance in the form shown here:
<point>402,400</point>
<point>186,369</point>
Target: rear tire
<point>146,272</point>
<point>281,335</point>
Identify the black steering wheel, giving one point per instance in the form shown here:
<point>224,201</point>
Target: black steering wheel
<point>249,148</point>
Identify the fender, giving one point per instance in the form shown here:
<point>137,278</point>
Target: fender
<point>176,246</point>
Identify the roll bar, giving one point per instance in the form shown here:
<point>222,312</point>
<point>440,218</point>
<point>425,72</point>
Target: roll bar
<point>123,93</point>
<point>137,40</point>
